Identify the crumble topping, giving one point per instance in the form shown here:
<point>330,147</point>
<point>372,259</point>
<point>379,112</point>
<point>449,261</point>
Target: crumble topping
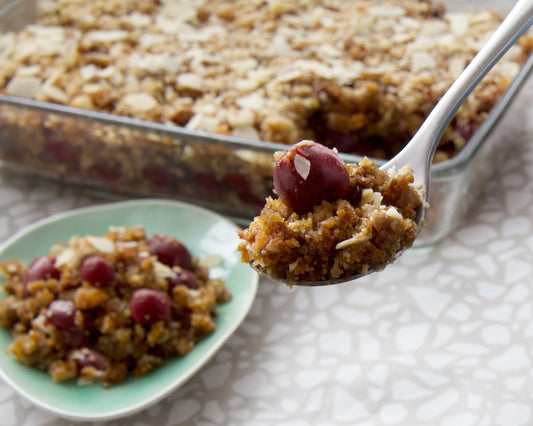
<point>271,71</point>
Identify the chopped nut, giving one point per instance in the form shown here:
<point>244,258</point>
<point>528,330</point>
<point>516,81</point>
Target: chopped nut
<point>421,61</point>
<point>65,257</point>
<point>190,81</point>
<point>371,197</point>
<point>394,213</point>
<point>89,297</point>
<point>138,102</point>
<point>161,270</point>
<point>107,36</point>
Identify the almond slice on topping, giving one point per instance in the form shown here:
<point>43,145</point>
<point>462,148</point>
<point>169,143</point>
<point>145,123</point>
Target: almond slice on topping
<point>394,213</point>
<point>65,257</point>
<point>161,270</point>
<point>355,239</point>
<point>371,197</point>
<point>302,165</point>
<point>105,245</point>
<point>211,261</point>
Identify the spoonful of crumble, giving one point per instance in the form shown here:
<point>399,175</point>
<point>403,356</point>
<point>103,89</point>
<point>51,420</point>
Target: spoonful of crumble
<point>334,222</point>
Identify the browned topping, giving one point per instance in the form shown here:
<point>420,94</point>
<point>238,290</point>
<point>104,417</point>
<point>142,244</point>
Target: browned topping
<point>359,75</point>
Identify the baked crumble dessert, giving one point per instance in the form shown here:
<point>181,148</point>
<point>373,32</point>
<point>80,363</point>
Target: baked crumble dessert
<point>360,75</point>
<point>331,220</point>
<point>102,307</point>
<point>357,75</point>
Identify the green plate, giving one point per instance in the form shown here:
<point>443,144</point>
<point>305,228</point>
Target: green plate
<point>203,232</point>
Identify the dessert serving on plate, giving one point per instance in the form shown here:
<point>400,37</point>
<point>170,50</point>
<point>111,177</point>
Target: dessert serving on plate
<point>102,307</point>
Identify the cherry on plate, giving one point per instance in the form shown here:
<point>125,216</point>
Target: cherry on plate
<point>86,357</point>
<point>183,277</point>
<point>97,271</point>
<point>41,268</point>
<point>148,306</point>
<point>62,314</point>
<point>170,251</point>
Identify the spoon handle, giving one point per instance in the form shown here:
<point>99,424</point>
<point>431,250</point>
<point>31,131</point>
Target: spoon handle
<point>420,150</point>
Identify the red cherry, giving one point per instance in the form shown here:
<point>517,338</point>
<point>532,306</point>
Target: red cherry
<point>309,173</point>
<point>170,251</point>
<point>41,268</point>
<point>148,306</point>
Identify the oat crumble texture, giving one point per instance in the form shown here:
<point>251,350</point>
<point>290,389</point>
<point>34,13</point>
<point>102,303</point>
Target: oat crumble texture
<point>361,233</point>
<point>91,324</point>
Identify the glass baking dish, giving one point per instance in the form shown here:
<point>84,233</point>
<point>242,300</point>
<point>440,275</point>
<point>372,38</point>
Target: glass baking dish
<point>131,157</point>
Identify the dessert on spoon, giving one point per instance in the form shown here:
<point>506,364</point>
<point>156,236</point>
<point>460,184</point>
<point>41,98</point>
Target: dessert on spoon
<point>334,222</point>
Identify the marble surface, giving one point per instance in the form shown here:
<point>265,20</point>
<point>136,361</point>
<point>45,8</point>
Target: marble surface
<point>443,337</point>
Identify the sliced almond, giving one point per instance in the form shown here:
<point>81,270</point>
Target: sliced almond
<point>302,166</point>
<point>103,244</point>
<point>64,258</point>
<point>26,87</point>
<point>394,213</point>
<point>211,261</point>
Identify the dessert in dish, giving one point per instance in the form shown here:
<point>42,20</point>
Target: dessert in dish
<point>102,307</point>
<point>331,221</point>
<point>360,75</point>
<point>183,99</point>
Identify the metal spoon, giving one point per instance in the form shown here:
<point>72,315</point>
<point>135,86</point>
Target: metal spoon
<point>420,150</point>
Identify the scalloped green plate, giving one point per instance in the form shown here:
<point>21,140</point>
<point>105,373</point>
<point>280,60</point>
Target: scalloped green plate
<point>203,232</point>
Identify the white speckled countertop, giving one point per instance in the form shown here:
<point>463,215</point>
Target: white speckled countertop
<point>439,338</point>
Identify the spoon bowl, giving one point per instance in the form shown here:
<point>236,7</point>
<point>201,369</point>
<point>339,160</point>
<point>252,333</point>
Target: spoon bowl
<point>419,152</point>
